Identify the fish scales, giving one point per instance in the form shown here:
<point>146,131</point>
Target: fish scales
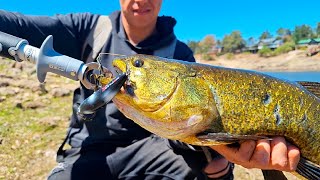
<point>207,105</point>
<point>245,110</point>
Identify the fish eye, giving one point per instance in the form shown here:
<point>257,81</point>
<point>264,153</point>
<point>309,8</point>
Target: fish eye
<point>138,63</point>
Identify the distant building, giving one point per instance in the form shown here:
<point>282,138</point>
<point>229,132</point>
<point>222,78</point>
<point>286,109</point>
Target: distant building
<point>312,44</point>
<point>271,43</point>
<point>307,42</point>
<point>215,50</point>
<point>251,46</point>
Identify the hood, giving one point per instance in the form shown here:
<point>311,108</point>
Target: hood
<point>162,37</point>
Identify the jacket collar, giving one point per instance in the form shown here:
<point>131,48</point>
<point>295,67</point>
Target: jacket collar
<point>163,36</point>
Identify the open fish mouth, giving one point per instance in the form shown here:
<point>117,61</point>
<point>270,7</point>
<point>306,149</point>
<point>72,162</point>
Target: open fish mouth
<point>128,86</point>
<point>118,70</point>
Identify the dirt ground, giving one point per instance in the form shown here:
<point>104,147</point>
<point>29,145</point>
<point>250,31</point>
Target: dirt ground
<point>292,61</point>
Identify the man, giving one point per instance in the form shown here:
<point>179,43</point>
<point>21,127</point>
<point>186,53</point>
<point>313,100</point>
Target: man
<point>112,146</point>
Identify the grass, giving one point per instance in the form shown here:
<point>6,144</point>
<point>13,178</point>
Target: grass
<point>26,140</point>
<point>29,137</point>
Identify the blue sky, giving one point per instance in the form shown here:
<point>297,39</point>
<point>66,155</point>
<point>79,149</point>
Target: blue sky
<point>197,19</point>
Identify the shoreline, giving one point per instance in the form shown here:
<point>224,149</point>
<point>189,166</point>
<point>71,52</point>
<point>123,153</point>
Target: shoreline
<point>294,61</point>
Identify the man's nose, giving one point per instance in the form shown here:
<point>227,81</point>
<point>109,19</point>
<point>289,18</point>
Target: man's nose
<point>141,1</point>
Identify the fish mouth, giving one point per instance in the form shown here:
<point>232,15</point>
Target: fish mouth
<point>118,70</point>
<point>128,86</point>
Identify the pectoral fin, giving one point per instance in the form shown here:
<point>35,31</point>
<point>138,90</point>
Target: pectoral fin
<point>226,138</point>
<point>313,87</point>
<point>308,169</point>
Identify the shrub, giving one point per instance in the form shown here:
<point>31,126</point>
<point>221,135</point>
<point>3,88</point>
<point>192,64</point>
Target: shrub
<point>265,52</point>
<point>230,56</point>
<point>206,56</point>
<point>302,47</point>
<point>286,47</point>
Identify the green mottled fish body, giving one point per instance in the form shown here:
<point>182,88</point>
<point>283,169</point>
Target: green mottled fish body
<point>208,105</point>
<point>251,103</point>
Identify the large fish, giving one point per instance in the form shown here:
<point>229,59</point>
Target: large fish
<point>206,105</point>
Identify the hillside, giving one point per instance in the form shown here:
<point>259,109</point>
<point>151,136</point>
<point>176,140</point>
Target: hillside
<point>292,61</point>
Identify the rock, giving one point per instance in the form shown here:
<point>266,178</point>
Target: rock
<point>4,168</point>
<point>50,121</point>
<point>50,153</point>
<point>33,105</point>
<point>32,71</point>
<point>17,65</point>
<point>14,71</point>
<point>24,84</point>
<point>5,76</point>
<point>41,88</point>
<point>9,91</point>
<point>46,100</point>
<point>27,96</point>
<point>18,104</point>
<point>2,98</point>
<point>36,137</point>
<point>60,92</point>
<point>17,143</point>
<point>4,83</point>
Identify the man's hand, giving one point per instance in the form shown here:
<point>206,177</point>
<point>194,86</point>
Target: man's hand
<point>276,154</point>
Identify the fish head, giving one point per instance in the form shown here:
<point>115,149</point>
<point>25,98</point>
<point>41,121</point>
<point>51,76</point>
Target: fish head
<point>150,83</point>
<point>164,96</point>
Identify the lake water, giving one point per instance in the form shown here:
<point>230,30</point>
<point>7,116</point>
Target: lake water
<point>297,76</point>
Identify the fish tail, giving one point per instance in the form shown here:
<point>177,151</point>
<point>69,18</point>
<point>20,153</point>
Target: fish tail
<point>308,169</point>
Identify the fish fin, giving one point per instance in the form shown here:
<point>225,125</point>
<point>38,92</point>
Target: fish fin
<point>273,174</point>
<point>308,169</point>
<point>313,87</point>
<point>227,138</point>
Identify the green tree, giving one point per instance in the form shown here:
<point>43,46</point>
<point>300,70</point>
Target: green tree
<point>265,35</point>
<point>218,43</point>
<point>207,44</point>
<point>194,46</point>
<point>282,32</point>
<point>318,30</point>
<point>251,41</point>
<point>302,32</point>
<point>233,42</point>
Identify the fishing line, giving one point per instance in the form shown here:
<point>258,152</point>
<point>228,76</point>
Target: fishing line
<point>112,54</point>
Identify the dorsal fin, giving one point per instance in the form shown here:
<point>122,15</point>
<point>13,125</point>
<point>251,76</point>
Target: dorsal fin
<point>313,87</point>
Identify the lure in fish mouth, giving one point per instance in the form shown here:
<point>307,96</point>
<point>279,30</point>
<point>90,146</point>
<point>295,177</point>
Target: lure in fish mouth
<point>101,97</point>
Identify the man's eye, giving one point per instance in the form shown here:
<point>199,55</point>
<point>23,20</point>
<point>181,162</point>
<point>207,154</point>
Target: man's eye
<point>138,63</point>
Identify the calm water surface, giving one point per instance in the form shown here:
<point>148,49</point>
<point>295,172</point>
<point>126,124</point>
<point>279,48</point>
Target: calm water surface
<point>297,76</point>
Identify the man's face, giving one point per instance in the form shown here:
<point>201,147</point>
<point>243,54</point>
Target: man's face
<point>140,13</point>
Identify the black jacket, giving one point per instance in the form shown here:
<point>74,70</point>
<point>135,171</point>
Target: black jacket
<point>69,33</point>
